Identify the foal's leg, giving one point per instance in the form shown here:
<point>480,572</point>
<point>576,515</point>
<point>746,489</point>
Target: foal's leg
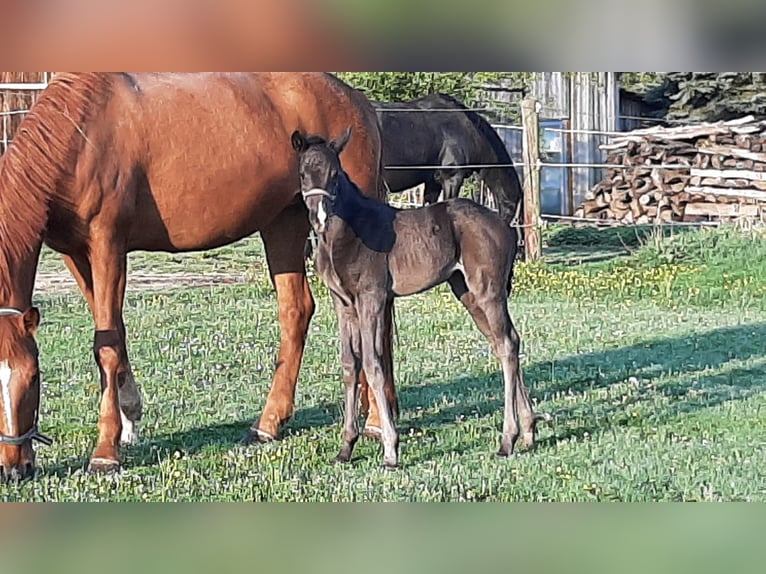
<point>351,363</point>
<point>495,323</point>
<point>506,343</point>
<point>371,312</point>
<point>130,398</point>
<point>369,404</point>
<point>109,262</point>
<point>285,240</point>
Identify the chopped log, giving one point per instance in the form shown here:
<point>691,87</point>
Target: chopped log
<point>724,192</point>
<point>720,210</point>
<point>676,187</point>
<point>666,215</point>
<point>728,174</point>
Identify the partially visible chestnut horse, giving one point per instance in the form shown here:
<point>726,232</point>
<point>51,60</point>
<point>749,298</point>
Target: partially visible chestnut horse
<point>106,164</point>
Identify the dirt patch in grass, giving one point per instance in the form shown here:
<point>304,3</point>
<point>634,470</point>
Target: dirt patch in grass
<point>50,283</point>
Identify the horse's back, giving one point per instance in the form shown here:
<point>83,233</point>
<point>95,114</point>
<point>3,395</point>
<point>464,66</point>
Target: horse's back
<point>214,148</point>
<point>430,130</point>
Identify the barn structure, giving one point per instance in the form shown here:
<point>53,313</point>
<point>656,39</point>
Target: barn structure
<point>578,112</point>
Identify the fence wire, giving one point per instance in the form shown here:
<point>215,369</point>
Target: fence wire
<point>414,197</point>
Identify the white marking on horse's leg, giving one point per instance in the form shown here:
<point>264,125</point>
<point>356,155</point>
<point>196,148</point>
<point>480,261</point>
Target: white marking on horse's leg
<point>265,436</point>
<point>6,373</point>
<point>129,435</point>
<point>131,409</point>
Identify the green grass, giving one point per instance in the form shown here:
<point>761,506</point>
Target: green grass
<point>654,393</point>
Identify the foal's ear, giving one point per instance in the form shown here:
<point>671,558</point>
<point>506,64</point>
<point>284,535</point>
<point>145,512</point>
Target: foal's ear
<point>300,144</point>
<point>339,143</point>
<point>32,320</point>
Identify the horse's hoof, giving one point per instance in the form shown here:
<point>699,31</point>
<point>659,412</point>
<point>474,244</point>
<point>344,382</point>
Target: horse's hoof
<point>505,452</point>
<point>528,440</point>
<point>340,459</point>
<point>256,436</point>
<point>103,466</point>
<point>373,432</point>
<point>390,466</point>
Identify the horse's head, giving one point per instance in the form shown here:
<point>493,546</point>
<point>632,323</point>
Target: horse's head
<point>320,169</point>
<point>19,392</point>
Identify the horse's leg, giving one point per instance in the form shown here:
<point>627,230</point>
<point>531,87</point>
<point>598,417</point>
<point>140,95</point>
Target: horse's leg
<point>109,263</point>
<point>372,428</point>
<point>452,185</point>
<point>372,323</point>
<point>351,363</point>
<point>285,240</point>
<point>432,191</point>
<point>131,401</point>
<point>506,343</point>
<point>495,323</point>
<point>460,290</point>
<point>526,411</point>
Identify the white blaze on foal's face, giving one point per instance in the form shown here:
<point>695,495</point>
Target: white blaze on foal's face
<point>6,374</point>
<point>321,214</point>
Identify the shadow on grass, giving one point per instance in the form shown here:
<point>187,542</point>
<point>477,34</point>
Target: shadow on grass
<point>696,354</point>
<point>570,256</point>
<point>424,411</point>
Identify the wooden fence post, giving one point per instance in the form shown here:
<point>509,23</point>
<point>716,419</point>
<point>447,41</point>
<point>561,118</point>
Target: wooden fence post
<point>531,153</point>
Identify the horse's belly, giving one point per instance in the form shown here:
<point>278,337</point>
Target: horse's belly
<point>208,217</point>
<point>418,274</point>
<point>424,254</point>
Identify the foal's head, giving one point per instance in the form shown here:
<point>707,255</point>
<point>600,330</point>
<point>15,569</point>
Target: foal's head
<point>320,169</point>
<point>19,392</point>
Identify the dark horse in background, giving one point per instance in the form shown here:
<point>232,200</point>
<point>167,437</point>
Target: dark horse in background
<point>438,130</point>
<point>109,163</point>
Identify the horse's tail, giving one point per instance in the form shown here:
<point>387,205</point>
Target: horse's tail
<point>509,197</point>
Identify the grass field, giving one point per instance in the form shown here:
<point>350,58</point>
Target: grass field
<point>648,355</point>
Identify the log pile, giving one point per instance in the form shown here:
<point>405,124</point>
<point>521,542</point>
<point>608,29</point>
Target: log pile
<point>692,173</point>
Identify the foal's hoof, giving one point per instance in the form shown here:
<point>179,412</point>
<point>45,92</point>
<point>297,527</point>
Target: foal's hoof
<point>528,440</point>
<point>505,451</point>
<point>373,432</point>
<point>104,466</point>
<point>390,466</point>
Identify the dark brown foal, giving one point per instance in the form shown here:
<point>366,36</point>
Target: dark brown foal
<point>369,253</point>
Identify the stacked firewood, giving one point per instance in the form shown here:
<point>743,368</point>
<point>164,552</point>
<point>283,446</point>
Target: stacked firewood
<point>691,173</point>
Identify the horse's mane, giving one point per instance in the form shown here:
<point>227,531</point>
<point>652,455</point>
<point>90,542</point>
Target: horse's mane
<point>42,154</point>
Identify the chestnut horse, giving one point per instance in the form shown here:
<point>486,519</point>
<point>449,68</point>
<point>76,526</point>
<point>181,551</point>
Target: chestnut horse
<point>109,163</point>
